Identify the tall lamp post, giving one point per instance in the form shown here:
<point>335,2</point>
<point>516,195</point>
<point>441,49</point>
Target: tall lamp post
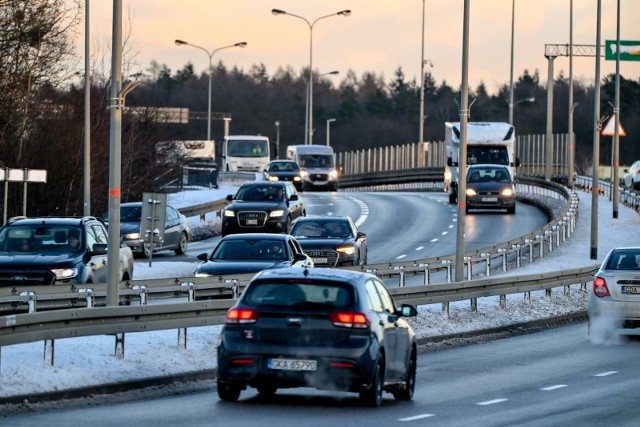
<point>306,119</point>
<point>210,54</point>
<point>422,116</point>
<point>309,113</point>
<point>513,23</point>
<point>512,104</point>
<point>329,129</point>
<point>278,137</point>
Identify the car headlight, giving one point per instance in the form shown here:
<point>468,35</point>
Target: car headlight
<point>296,178</point>
<point>507,192</point>
<point>229,214</point>
<point>333,174</point>
<point>276,213</point>
<point>347,249</point>
<point>132,236</point>
<point>471,192</point>
<point>273,178</point>
<point>303,173</point>
<point>65,273</point>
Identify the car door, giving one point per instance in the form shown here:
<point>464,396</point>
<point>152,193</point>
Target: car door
<point>296,207</point>
<point>97,263</point>
<point>171,228</point>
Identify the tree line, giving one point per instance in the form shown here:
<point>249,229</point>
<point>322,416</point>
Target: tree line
<point>42,113</point>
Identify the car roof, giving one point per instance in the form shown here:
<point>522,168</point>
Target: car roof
<point>134,204</point>
<point>323,218</point>
<point>264,184</point>
<point>50,220</point>
<point>487,165</point>
<point>329,274</point>
<point>249,236</point>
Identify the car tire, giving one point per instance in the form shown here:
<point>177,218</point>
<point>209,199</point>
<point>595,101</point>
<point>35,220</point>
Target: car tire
<point>228,392</point>
<point>511,210</point>
<point>406,393</point>
<point>182,244</point>
<point>372,396</point>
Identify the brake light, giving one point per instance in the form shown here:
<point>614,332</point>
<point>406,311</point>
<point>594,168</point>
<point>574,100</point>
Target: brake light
<point>600,288</point>
<point>350,320</point>
<point>241,316</point>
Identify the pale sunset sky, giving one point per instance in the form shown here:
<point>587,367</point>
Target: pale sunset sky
<point>379,36</point>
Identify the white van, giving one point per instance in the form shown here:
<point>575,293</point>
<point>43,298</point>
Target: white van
<point>245,153</point>
<point>318,163</point>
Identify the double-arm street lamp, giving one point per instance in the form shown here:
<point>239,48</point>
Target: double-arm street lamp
<point>210,54</point>
<point>309,113</point>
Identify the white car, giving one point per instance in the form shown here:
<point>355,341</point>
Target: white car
<point>614,299</point>
<point>632,178</point>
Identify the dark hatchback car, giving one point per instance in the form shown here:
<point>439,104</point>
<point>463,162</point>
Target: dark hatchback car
<point>262,207</point>
<point>332,241</point>
<point>324,328</point>
<point>285,170</point>
<point>250,253</point>
<point>490,187</point>
<point>176,230</point>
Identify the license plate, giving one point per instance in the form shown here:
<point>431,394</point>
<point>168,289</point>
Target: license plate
<point>489,199</point>
<point>252,222</point>
<point>630,289</point>
<point>292,364</point>
<point>320,260</point>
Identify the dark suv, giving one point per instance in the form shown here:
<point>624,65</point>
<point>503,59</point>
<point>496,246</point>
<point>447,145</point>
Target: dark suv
<point>323,328</point>
<point>262,207</point>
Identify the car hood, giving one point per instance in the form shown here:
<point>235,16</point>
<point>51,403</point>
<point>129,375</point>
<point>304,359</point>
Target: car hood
<point>284,174</point>
<point>263,205</point>
<point>222,268</point>
<point>31,261</point>
<point>324,243</point>
<point>489,186</point>
<point>129,227</point>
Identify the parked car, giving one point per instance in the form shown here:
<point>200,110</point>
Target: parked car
<point>176,230</point>
<point>253,252</point>
<point>323,328</point>
<point>331,240</point>
<point>285,170</point>
<point>632,178</point>
<point>262,207</point>
<point>490,187</point>
<point>614,300</point>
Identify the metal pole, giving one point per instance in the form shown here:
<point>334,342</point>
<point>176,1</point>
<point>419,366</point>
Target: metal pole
<point>616,111</point>
<point>113,253</point>
<point>421,132</point>
<point>548,143</point>
<point>278,139</point>
<point>87,115</point>
<point>571,144</point>
<point>209,101</point>
<point>513,15</point>
<point>329,129</point>
<point>462,158</point>
<point>310,112</point>
<point>596,145</point>
<point>24,191</point>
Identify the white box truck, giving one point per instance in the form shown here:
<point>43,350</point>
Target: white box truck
<point>318,163</point>
<point>487,143</point>
<point>245,153</point>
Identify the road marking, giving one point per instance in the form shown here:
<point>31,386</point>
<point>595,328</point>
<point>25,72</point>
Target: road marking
<point>606,374</point>
<point>400,256</point>
<point>451,226</point>
<point>553,387</point>
<point>419,248</point>
<point>434,240</point>
<point>364,210</point>
<point>416,417</point>
<point>444,233</point>
<point>491,402</point>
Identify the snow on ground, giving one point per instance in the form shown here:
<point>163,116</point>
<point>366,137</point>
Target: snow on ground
<point>90,361</point>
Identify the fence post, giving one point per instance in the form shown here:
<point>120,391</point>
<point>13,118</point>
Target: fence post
<point>487,257</point>
<point>426,272</point>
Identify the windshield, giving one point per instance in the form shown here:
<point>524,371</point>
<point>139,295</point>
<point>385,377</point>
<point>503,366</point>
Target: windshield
<point>39,239</point>
<point>492,155</point>
<point>320,229</point>
<point>481,174</point>
<point>283,167</point>
<point>247,148</point>
<point>316,160</point>
<point>263,193</point>
<point>249,249</point>
<point>310,295</point>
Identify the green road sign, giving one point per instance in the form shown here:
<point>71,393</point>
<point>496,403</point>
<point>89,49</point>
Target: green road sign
<point>629,50</point>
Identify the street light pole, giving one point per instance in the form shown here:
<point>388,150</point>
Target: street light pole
<point>278,138</point>
<point>87,116</point>
<point>210,55</point>
<point>309,112</point>
<point>511,104</point>
<point>329,129</point>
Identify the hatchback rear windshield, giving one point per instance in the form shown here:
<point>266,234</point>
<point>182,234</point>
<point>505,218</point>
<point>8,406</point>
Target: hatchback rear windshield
<point>290,294</point>
<point>628,259</point>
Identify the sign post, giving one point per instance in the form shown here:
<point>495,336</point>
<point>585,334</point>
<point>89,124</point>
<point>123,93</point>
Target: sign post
<point>153,220</point>
<point>20,175</point>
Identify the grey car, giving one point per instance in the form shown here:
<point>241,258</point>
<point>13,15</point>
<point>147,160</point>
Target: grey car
<point>490,186</point>
<point>176,230</point>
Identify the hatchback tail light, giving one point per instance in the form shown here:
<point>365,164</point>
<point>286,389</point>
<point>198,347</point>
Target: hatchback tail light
<point>600,288</point>
<point>241,316</point>
<point>350,320</point>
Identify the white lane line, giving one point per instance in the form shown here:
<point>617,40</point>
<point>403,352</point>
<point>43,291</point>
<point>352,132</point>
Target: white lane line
<point>416,417</point>
<point>444,233</point>
<point>553,387</point>
<point>400,256</point>
<point>434,240</point>
<point>491,402</point>
<point>364,210</point>
<point>451,226</point>
<point>419,248</point>
<point>606,374</point>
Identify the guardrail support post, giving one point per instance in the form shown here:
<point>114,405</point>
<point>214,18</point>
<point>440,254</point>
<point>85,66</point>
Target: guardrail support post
<point>467,261</point>
<point>556,229</point>
<point>503,301</point>
<point>541,241</point>
<point>182,332</point>
<point>234,287</point>
<point>142,292</point>
<point>547,294</point>
<point>48,351</point>
<point>29,298</point>
<point>447,262</point>
<point>119,347</point>
<point>517,248</point>
<point>445,309</point>
<point>504,258</point>
<point>527,297</point>
<point>426,272</point>
<point>474,305</point>
<point>549,233</point>
<point>87,295</point>
<point>487,257</point>
<point>529,243</point>
<point>401,274</point>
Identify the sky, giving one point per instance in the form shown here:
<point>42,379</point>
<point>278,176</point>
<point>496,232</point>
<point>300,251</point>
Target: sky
<point>89,361</point>
<point>379,36</point>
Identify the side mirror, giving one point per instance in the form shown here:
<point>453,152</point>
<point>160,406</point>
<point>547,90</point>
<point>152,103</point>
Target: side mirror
<point>361,235</point>
<point>294,197</point>
<point>99,249</point>
<point>518,162</point>
<point>407,310</point>
<point>299,257</point>
<point>229,197</point>
<point>594,271</point>
<point>449,161</point>
<point>203,257</point>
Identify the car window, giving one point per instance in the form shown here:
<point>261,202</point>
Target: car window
<point>308,295</point>
<point>387,302</point>
<point>624,260</point>
<point>172,214</point>
<point>374,299</point>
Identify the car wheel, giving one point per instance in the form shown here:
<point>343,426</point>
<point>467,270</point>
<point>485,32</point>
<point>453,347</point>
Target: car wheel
<point>267,390</point>
<point>410,383</point>
<point>372,396</point>
<point>228,392</point>
<point>182,244</point>
<point>511,211</point>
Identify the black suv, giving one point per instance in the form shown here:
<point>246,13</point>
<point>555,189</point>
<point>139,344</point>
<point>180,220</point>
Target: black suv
<point>262,207</point>
<point>51,251</point>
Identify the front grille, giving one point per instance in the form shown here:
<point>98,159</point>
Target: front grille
<point>248,169</point>
<point>330,255</point>
<point>26,278</point>
<point>318,177</point>
<point>247,219</point>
